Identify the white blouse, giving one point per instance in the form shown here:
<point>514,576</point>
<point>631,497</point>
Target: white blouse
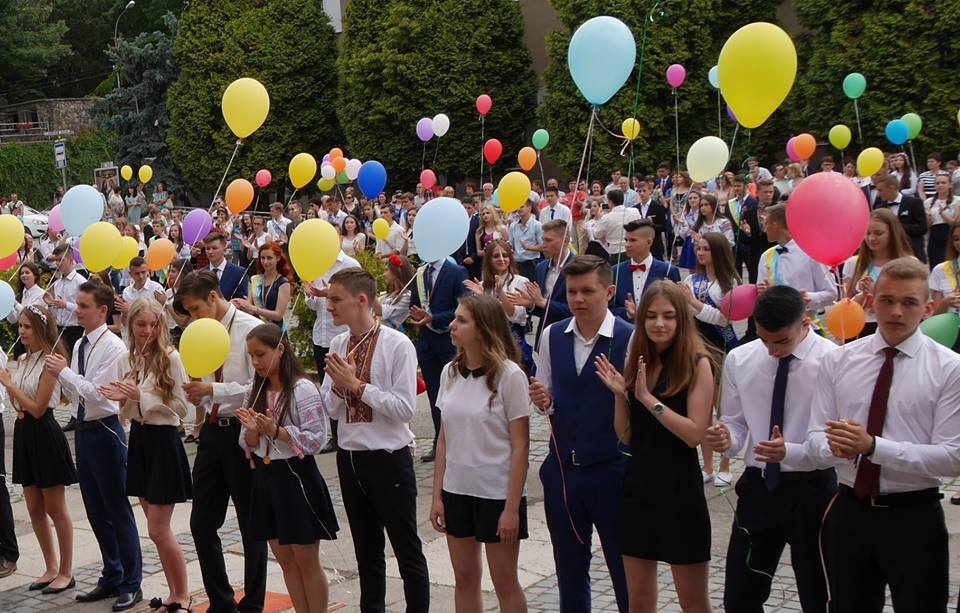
<point>152,409</point>
<point>395,310</point>
<point>27,379</point>
<point>936,207</point>
<point>34,295</point>
<point>351,246</point>
<point>708,314</point>
<point>304,422</point>
<point>516,284</point>
<point>946,285</point>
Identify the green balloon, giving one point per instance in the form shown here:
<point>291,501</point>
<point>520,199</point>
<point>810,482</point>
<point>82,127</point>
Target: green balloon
<point>342,177</point>
<point>914,123</point>
<point>943,328</point>
<point>854,84</point>
<point>540,139</point>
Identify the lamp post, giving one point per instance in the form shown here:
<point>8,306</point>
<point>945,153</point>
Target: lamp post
<point>116,41</point>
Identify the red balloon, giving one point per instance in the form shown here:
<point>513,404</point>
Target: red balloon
<point>483,104</point>
<point>10,261</point>
<point>492,150</point>
<point>737,304</point>
<point>428,179</point>
<point>263,177</point>
<point>828,196</point>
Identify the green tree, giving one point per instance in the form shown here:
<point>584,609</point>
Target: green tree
<point>289,46</point>
<point>30,46</point>
<point>403,60</point>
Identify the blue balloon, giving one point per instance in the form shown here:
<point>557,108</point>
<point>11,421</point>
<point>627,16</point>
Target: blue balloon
<point>7,298</point>
<point>898,131</point>
<point>372,178</point>
<point>601,57</point>
<point>496,198</point>
<point>440,228</point>
<point>81,207</point>
<point>714,77</point>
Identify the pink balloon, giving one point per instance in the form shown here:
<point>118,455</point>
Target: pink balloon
<point>791,151</point>
<point>8,262</point>
<point>738,303</point>
<point>832,197</point>
<point>483,104</point>
<point>264,177</point>
<point>428,179</point>
<point>53,219</point>
<point>676,75</point>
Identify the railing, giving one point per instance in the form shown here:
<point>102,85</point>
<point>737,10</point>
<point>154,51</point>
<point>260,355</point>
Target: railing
<point>27,132</point>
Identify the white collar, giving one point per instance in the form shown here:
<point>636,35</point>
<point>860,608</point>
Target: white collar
<point>648,261</point>
<point>94,336</point>
<point>229,315</point>
<point>909,346</point>
<point>605,330</point>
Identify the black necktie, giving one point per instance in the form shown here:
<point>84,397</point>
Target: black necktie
<point>771,476</point>
<point>782,249</point>
<point>429,280</point>
<point>82,370</point>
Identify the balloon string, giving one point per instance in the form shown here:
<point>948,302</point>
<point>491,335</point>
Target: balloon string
<point>482,121</point>
<point>292,196</point>
<point>643,48</point>
<point>53,278</point>
<point>543,179</point>
<point>913,160</point>
<point>719,118</point>
<point>423,157</point>
<point>676,125</point>
<point>224,177</point>
<point>733,141</point>
<point>435,152</point>
<point>856,109</point>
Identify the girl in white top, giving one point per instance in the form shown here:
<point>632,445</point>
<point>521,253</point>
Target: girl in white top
<point>710,221</point>
<point>394,304</point>
<point>482,454</point>
<point>352,240</point>
<point>28,291</point>
<point>410,248</point>
<point>942,210</point>
<point>945,278</point>
<point>906,176</point>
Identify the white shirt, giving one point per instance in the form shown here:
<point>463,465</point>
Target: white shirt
<point>553,273</point>
<point>66,289</point>
<point>609,230</point>
<point>935,208</point>
<point>337,218</point>
<point>921,433</point>
<point>237,371</point>
<point>391,395</point>
<point>746,397</point>
<point>796,269</point>
<point>277,228</point>
<point>560,211</point>
<point>640,276</point>
<point>218,269</point>
<point>27,378</point>
<point>395,240</point>
<point>102,359</point>
<point>395,309</point>
<point>946,285</point>
<point>304,422</point>
<point>323,327</point>
<point>131,294</point>
<point>516,284</point>
<point>151,408</point>
<point>47,246</point>
<point>476,426</point>
<point>34,295</point>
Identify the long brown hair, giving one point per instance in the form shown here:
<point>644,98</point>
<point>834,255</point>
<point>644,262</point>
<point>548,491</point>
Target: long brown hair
<point>488,276</point>
<point>951,250</point>
<point>722,256</point>
<point>289,370</point>
<point>402,271</point>
<point>44,328</point>
<point>153,360</point>
<point>36,275</point>
<point>680,367</point>
<point>899,246</point>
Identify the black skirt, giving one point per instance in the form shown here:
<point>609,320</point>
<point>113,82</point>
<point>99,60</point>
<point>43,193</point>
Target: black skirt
<point>41,456</point>
<point>290,502</point>
<point>157,467</point>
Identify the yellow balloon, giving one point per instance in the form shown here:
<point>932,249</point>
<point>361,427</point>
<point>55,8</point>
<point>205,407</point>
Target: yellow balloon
<point>840,136</point>
<point>100,246</point>
<point>757,67</point>
<point>204,347</point>
<point>381,229</point>
<point>245,106</point>
<point>514,191</point>
<point>314,247</point>
<point>630,128</point>
<point>129,248</point>
<point>869,161</point>
<point>145,174</point>
<point>303,167</point>
<point>11,234</point>
<point>326,185</point>
<point>126,172</point>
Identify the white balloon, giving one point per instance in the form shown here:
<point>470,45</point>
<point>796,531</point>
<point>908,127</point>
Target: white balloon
<point>707,158</point>
<point>327,171</point>
<point>81,207</point>
<point>7,298</point>
<point>353,169</point>
<point>441,123</point>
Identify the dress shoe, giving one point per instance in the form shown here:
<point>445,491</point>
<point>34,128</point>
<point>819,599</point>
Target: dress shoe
<point>127,601</point>
<point>57,590</point>
<point>330,447</point>
<point>71,425</point>
<point>429,457</point>
<point>39,585</point>
<point>7,568</point>
<point>97,593</point>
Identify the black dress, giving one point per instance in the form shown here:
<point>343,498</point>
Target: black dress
<point>663,511</point>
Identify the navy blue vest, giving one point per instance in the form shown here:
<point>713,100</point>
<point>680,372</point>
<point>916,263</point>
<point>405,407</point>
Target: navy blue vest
<point>583,407</point>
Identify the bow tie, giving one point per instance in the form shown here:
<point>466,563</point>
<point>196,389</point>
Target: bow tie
<point>636,267</point>
<point>889,204</point>
<point>782,249</point>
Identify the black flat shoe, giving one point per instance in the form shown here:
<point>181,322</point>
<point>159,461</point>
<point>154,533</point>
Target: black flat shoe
<point>127,601</point>
<point>955,499</point>
<point>429,457</point>
<point>190,438</point>
<point>330,447</point>
<point>39,585</point>
<point>57,590</point>
<point>97,593</point>
<point>71,425</point>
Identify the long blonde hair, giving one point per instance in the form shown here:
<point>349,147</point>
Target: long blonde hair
<point>899,246</point>
<point>151,360</point>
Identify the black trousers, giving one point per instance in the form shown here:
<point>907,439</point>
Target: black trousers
<point>867,548</point>
<point>431,367</point>
<point>221,472</point>
<point>380,493</point>
<point>8,537</point>
<point>319,355</point>
<point>765,523</point>
<point>527,269</point>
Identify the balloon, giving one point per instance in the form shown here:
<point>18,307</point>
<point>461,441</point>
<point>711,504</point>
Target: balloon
<point>854,84</point>
<point>245,106</point>
<point>540,139</point>
<point>440,228</point>
<point>76,251</point>
<point>99,246</point>
<point>731,114</point>
<point>676,74</point>
<point>828,196</point>
<point>840,136</point>
<point>263,177</point>
<point>737,304</point>
<point>428,179</point>
<point>707,158</point>
<point>441,123</point>
<point>145,174</point>
<point>372,178</point>
<point>342,177</point>
<point>11,234</point>
<point>336,152</point>
<point>846,320</point>
<point>514,190</point>
<point>792,150</point>
<point>204,347</point>
<point>601,57</point>
<point>10,261</point>
<point>914,123</point>
<point>527,158</point>
<point>196,226</point>
<point>314,246</point>
<point>7,298</point>
<point>630,128</point>
<point>942,328</point>
<point>81,207</point>
<point>757,66</point>
<point>492,150</point>
<point>160,253</point>
<point>353,169</point>
<point>869,161</point>
<point>496,198</point>
<point>714,77</point>
<point>326,158</point>
<point>327,171</point>
<point>897,131</point>
<point>129,248</point>
<point>483,104</point>
<point>339,164</point>
<point>239,195</point>
<point>53,219</point>
<point>805,145</point>
<point>303,167</point>
<point>381,229</point>
<point>326,184</point>
<point>126,172</point>
<point>425,129</point>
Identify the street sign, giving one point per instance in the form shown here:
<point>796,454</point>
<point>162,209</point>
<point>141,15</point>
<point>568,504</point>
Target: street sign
<point>60,154</point>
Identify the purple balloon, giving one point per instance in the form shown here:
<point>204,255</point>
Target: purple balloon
<point>196,226</point>
<point>53,219</point>
<point>326,158</point>
<point>425,129</point>
<point>76,251</point>
<point>676,75</point>
<point>731,115</point>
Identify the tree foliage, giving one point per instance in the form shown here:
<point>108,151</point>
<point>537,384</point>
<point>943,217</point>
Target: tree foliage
<point>30,45</point>
<point>403,60</point>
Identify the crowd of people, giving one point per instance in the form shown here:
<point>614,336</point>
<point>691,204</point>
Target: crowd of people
<point>598,309</point>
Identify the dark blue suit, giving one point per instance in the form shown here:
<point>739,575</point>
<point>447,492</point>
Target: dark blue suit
<point>469,249</point>
<point>624,279</point>
<point>434,348</point>
<point>233,282</point>
<point>557,307</point>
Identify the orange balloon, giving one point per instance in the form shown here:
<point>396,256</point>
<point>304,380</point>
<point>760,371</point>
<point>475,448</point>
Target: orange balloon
<point>527,158</point>
<point>339,164</point>
<point>335,153</point>
<point>846,320</point>
<point>805,145</point>
<point>239,195</point>
<point>160,254</point>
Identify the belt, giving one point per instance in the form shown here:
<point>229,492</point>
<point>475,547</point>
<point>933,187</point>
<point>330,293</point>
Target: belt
<point>222,422</point>
<point>809,475</point>
<point>899,499</point>
<point>90,424</point>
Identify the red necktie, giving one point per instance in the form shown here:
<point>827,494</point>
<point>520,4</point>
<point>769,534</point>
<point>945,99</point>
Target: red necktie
<point>636,267</point>
<point>867,482</point>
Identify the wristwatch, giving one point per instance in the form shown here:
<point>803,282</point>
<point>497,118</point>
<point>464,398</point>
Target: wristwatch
<point>658,409</point>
